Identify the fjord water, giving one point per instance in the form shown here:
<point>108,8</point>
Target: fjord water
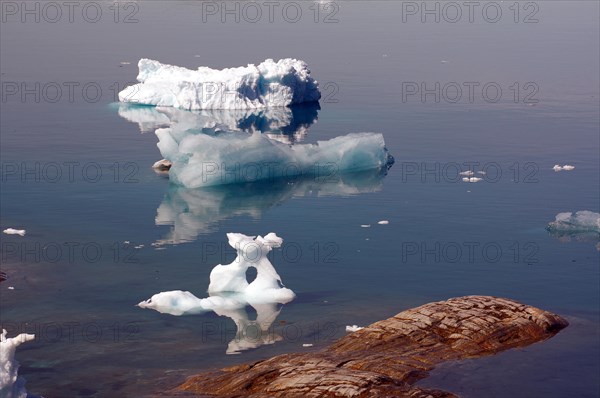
<point>76,282</point>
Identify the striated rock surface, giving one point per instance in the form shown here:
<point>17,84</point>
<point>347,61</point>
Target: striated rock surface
<point>386,358</point>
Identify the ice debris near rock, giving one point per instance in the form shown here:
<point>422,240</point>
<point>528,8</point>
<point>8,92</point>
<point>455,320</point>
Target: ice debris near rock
<point>353,328</point>
<point>580,221</point>
<point>268,84</point>
<point>11,385</point>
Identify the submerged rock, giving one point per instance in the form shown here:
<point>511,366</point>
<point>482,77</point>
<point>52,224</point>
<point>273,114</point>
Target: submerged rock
<point>388,357</point>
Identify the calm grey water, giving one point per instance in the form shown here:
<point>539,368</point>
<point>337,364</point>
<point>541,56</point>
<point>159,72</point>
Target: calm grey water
<point>77,177</point>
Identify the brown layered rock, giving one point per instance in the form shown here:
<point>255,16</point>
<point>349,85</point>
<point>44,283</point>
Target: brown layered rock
<point>386,358</point>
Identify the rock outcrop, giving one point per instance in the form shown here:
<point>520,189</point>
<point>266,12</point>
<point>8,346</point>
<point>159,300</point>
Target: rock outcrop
<point>388,357</point>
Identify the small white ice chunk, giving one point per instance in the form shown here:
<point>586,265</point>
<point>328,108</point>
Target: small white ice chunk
<point>383,222</point>
<point>566,167</point>
<point>12,231</point>
<point>472,179</point>
<point>365,225</point>
<point>353,328</point>
<point>307,345</point>
<point>466,173</point>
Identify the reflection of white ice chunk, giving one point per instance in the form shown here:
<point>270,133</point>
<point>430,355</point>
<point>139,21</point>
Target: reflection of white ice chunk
<point>230,292</point>
<point>581,221</point>
<point>229,158</point>
<point>11,385</point>
<point>353,328</point>
<point>269,84</point>
<point>12,231</point>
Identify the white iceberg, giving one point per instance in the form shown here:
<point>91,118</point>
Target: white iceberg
<point>268,84</point>
<point>201,160</point>
<point>230,292</point>
<point>11,385</point>
<point>581,221</point>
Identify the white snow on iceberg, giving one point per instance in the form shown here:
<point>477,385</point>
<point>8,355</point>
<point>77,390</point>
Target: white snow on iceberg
<point>11,385</point>
<point>230,292</point>
<point>230,158</point>
<point>268,84</point>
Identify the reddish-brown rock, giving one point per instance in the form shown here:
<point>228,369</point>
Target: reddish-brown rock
<point>386,358</point>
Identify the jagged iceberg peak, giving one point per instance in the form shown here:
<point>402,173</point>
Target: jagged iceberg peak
<point>11,385</point>
<point>268,84</point>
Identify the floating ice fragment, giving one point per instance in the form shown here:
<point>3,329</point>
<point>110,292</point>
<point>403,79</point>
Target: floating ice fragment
<point>365,225</point>
<point>481,172</point>
<point>125,63</point>
<point>11,288</point>
<point>566,167</point>
<point>383,222</point>
<point>353,328</point>
<point>466,173</point>
<point>11,385</point>
<point>307,345</point>
<point>269,84</point>
<point>12,231</point>
<point>472,179</point>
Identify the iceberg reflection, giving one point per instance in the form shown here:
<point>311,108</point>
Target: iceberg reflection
<point>287,125</point>
<point>192,212</point>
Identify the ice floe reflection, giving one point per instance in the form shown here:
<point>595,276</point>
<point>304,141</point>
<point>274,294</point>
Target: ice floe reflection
<point>192,212</point>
